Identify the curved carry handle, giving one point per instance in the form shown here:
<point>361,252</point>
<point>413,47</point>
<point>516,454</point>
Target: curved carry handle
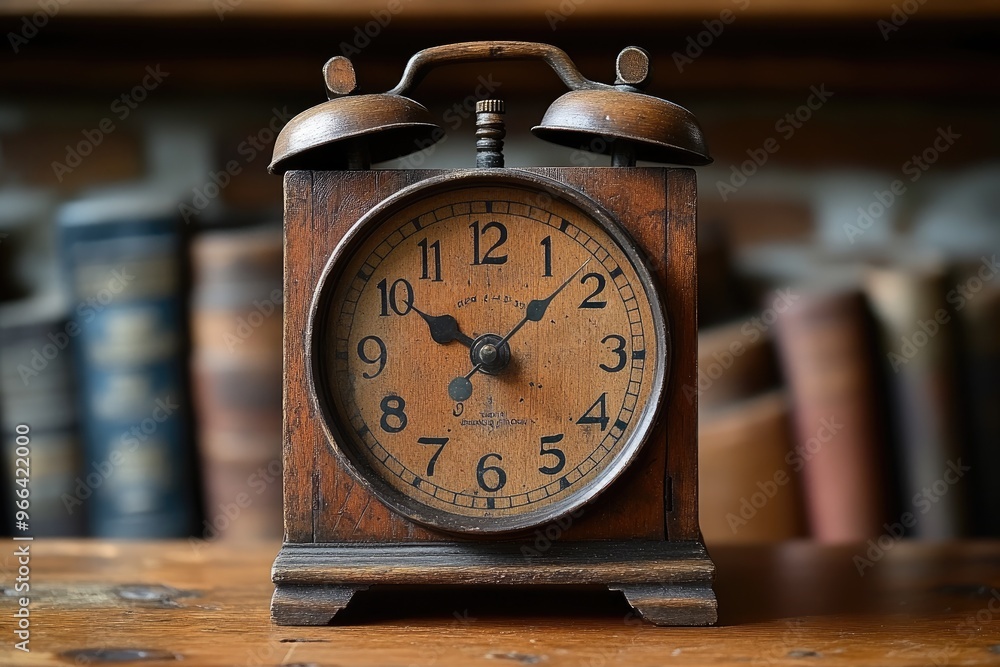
<point>629,124</point>
<point>467,52</point>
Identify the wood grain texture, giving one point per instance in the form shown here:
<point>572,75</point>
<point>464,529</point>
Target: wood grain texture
<point>680,294</point>
<point>664,582</point>
<point>642,205</point>
<point>298,459</point>
<point>474,563</point>
<point>342,511</point>
<point>310,605</point>
<point>789,605</point>
<point>672,604</point>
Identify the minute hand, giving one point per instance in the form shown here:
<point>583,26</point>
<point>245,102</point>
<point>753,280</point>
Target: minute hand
<point>536,309</point>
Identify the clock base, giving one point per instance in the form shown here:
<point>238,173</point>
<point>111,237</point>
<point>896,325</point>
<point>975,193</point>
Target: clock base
<point>667,583</point>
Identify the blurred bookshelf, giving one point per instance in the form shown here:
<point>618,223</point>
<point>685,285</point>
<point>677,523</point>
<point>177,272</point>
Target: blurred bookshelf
<point>814,112</point>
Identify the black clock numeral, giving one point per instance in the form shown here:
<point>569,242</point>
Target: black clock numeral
<point>380,359</point>
<point>552,451</point>
<point>477,234</point>
<point>390,297</point>
<point>603,419</point>
<point>482,469</point>
<point>425,251</point>
<point>440,443</point>
<point>618,349</point>
<point>601,282</point>
<point>392,406</point>
<point>547,244</point>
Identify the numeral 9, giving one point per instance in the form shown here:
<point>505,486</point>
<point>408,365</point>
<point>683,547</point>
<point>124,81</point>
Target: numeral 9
<point>380,359</point>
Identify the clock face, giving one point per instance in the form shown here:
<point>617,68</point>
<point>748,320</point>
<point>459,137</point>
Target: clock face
<point>489,351</point>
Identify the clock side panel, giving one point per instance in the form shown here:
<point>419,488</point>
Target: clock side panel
<point>323,503</point>
<point>680,280</point>
<point>298,429</point>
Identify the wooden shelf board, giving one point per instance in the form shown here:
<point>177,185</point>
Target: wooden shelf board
<point>463,10</point>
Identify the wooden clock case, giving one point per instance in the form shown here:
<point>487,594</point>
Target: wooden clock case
<point>639,536</point>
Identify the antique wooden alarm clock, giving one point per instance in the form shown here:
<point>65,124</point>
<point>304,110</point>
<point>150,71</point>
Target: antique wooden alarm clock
<point>483,366</point>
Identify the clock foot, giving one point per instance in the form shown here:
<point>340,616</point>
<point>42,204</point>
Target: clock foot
<point>309,605</point>
<point>678,604</point>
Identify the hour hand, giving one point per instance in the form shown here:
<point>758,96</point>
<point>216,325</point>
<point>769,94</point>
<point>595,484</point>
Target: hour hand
<point>444,329</point>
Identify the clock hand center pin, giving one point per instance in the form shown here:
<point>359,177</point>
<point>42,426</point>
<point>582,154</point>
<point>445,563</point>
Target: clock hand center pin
<point>489,356</point>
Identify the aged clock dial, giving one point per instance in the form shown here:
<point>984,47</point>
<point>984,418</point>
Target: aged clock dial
<point>489,350</point>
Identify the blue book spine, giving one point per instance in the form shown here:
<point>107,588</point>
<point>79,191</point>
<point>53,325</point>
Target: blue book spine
<point>125,280</point>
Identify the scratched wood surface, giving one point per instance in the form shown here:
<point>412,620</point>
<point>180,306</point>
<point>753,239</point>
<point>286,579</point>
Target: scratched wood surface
<point>792,604</point>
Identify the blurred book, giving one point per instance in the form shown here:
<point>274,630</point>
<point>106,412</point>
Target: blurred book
<point>37,394</point>
<point>825,346</point>
<point>122,253</point>
<point>721,294</point>
<point>748,481</point>
<point>961,219</point>
<point>736,361</point>
<point>236,368</point>
<point>27,248</point>
<point>977,302</point>
<point>918,334</point>
<point>748,491</point>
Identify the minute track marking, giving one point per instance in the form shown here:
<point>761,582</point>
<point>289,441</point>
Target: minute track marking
<point>451,496</point>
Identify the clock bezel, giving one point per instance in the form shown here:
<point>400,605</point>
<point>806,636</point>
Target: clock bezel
<point>357,465</point>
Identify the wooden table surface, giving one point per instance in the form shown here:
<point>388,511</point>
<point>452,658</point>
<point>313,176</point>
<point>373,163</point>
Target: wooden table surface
<point>790,604</point>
